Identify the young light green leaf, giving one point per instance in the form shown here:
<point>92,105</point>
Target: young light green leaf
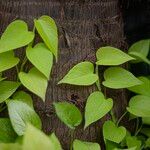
<point>68,114</point>
<point>35,139</point>
<point>140,50</point>
<point>146,120</point>
<point>47,29</point>
<point>116,135</point>
<point>139,106</point>
<point>77,145</point>
<point>24,97</point>
<point>15,36</point>
<point>10,146</point>
<point>110,56</point>
<point>41,58</point>
<point>81,74</point>
<point>20,114</point>
<point>96,107</point>
<point>34,81</point>
<point>143,89</point>
<point>7,61</point>
<point>7,88</point>
<point>7,133</point>
<point>117,77</point>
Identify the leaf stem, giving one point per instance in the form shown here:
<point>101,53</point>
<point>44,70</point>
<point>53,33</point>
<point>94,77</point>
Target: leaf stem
<point>72,138</point>
<point>119,120</point>
<point>98,81</point>
<point>113,116</point>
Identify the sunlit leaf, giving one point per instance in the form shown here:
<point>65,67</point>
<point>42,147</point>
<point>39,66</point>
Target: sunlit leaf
<point>81,74</point>
<point>15,36</point>
<point>10,146</point>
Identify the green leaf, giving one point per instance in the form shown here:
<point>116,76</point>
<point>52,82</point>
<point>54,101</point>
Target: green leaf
<point>7,88</point>
<point>10,146</point>
<point>147,143</point>
<point>140,51</point>
<point>41,58</point>
<point>110,56</point>
<point>7,133</point>
<point>24,97</point>
<point>143,89</point>
<point>82,145</point>
<point>7,61</point>
<point>15,36</point>
<point>47,29</point>
<point>110,145</point>
<point>20,114</point>
<point>96,107</point>
<point>34,81</point>
<point>139,106</point>
<point>146,120</point>
<point>117,77</point>
<point>55,141</point>
<point>146,131</point>
<point>81,74</point>
<point>68,114</point>
<point>113,133</point>
<point>35,139</point>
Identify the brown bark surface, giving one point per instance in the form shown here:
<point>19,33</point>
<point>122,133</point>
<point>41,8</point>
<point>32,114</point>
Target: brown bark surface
<point>84,26</point>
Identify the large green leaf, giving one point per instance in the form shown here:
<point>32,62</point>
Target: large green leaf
<point>117,77</point>
<point>140,51</point>
<point>20,114</point>
<point>111,56</point>
<point>96,107</point>
<point>82,145</point>
<point>34,81</point>
<point>68,113</point>
<point>41,58</point>
<point>113,133</point>
<point>35,139</point>
<point>81,74</point>
<point>47,29</point>
<point>7,88</point>
<point>7,61</point>
<point>139,105</point>
<point>10,146</point>
<point>7,133</point>
<point>143,89</point>
<point>16,35</point>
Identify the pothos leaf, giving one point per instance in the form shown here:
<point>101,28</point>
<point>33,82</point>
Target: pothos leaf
<point>146,120</point>
<point>96,107</point>
<point>7,61</point>
<point>116,135</point>
<point>111,56</point>
<point>34,81</point>
<point>15,36</point>
<point>41,58</point>
<point>139,106</point>
<point>77,144</point>
<point>47,29</point>
<point>10,146</point>
<point>117,77</point>
<point>20,114</point>
<point>81,74</point>
<point>68,114</point>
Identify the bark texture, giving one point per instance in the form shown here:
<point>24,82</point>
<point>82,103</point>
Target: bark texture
<point>84,26</point>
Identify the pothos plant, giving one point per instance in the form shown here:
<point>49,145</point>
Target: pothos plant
<point>22,129</point>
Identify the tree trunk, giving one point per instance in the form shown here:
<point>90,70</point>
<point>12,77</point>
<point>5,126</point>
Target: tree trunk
<point>84,26</point>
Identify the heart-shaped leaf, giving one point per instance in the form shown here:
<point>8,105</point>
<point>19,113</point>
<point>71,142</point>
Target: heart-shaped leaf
<point>7,88</point>
<point>7,61</point>
<point>34,81</point>
<point>81,74</point>
<point>113,133</point>
<point>140,51</point>
<point>143,89</point>
<point>20,114</point>
<point>15,36</point>
<point>111,56</point>
<point>68,114</point>
<point>7,133</point>
<point>10,146</point>
<point>47,29</point>
<point>35,139</point>
<point>77,144</point>
<point>117,77</point>
<point>139,106</point>
<point>41,58</point>
<point>96,107</point>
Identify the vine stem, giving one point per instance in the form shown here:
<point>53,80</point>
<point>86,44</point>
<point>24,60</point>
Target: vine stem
<point>119,120</point>
<point>98,82</point>
<point>72,131</point>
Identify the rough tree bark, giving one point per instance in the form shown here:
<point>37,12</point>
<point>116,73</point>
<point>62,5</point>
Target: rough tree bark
<point>84,26</point>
